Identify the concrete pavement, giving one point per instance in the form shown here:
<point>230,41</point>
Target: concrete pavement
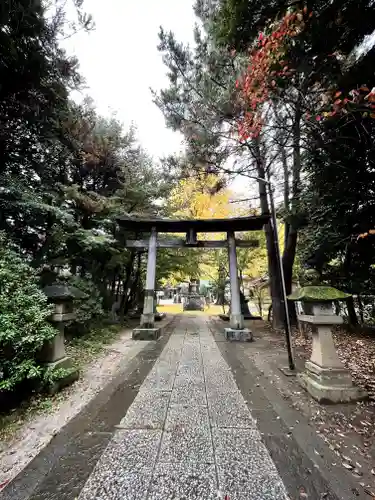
<point>174,424</point>
<point>188,433</point>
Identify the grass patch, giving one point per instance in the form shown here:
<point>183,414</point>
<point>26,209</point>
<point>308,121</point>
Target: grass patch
<point>83,349</point>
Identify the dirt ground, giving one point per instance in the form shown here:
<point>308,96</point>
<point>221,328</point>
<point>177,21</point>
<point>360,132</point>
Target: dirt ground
<point>348,430</point>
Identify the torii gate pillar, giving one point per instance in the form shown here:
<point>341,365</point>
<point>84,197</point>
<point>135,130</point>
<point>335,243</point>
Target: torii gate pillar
<point>236,330</point>
<point>148,318</point>
<point>147,330</point>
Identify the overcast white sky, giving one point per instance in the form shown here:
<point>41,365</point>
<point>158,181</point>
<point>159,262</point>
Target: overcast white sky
<point>120,62</point>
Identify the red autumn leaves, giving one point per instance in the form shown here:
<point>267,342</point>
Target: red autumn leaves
<point>265,70</point>
<point>358,100</point>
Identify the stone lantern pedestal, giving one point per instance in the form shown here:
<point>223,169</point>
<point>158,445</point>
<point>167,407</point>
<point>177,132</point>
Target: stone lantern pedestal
<point>194,301</point>
<point>53,353</point>
<point>325,377</point>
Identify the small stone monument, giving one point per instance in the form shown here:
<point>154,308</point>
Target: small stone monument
<point>158,316</point>
<point>194,301</point>
<point>53,353</point>
<point>325,377</point>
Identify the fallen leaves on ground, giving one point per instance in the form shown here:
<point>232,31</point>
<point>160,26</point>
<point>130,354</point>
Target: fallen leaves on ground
<point>356,351</point>
<point>339,425</point>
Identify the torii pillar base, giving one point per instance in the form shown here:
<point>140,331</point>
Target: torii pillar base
<point>146,333</point>
<point>238,335</point>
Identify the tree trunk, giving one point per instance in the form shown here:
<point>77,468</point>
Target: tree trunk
<point>220,297</point>
<point>136,284</point>
<point>337,308</point>
<point>82,272</point>
<point>273,270</point>
<point>269,314</point>
<point>282,141</point>
<point>288,262</point>
<point>352,316</point>
<point>241,282</point>
<point>118,287</point>
<point>126,281</point>
<point>290,248</point>
<point>284,162</point>
<point>113,286</point>
<point>221,286</point>
<point>361,309</point>
<point>130,298</point>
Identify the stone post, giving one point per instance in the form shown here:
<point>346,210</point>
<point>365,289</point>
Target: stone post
<point>236,318</point>
<point>147,318</point>
<point>147,330</point>
<point>236,330</point>
<point>325,377</point>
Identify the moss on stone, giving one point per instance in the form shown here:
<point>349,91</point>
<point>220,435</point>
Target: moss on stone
<point>318,293</point>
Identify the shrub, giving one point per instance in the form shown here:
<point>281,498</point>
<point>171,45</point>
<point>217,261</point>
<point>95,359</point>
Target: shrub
<point>89,309</point>
<point>23,320</point>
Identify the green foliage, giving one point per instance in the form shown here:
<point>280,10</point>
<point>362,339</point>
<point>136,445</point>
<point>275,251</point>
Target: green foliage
<point>235,23</point>
<point>339,202</point>
<point>23,320</point>
<point>253,261</point>
<point>200,100</point>
<point>88,307</point>
<point>53,375</point>
<point>84,348</point>
<point>66,174</point>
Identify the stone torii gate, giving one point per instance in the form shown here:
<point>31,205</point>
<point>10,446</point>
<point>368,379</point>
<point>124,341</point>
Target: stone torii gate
<point>153,226</point>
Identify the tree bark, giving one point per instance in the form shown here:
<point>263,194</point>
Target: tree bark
<point>352,316</point>
<point>361,309</point>
<point>282,140</point>
<point>221,286</point>
<point>284,162</point>
<point>118,288</point>
<point>290,248</point>
<point>273,270</point>
<point>288,262</point>
<point>135,286</point>
<point>113,286</point>
<point>126,281</point>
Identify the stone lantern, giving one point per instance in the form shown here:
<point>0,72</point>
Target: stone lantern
<point>325,377</point>
<point>53,353</point>
<point>194,300</point>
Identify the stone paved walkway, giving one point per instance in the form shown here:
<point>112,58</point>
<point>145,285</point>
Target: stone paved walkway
<point>188,433</point>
